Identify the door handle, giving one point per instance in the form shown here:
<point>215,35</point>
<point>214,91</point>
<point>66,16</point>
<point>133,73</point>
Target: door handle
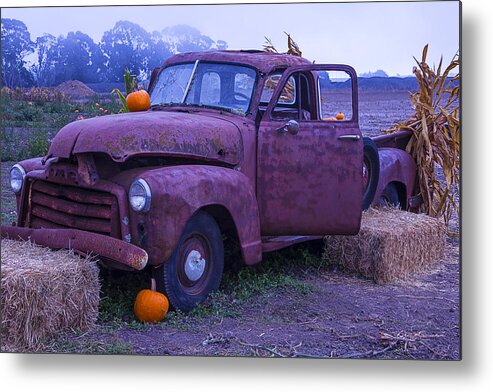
<point>349,137</point>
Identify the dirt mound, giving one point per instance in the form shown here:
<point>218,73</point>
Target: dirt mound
<point>75,89</point>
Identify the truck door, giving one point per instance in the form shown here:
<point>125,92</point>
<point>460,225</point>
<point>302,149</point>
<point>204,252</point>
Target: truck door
<point>310,164</point>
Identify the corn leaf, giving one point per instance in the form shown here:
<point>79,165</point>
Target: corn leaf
<point>435,140</point>
<point>122,99</point>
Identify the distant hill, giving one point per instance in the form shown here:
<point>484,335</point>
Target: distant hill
<point>383,84</point>
<point>378,73</point>
<point>387,84</point>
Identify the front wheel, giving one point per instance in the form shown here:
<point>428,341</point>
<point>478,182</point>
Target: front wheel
<point>196,266</point>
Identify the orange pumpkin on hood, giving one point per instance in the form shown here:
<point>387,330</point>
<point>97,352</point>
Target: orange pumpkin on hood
<point>138,101</point>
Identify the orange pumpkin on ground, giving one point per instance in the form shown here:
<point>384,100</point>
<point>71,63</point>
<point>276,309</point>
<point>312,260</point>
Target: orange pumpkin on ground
<point>151,306</point>
<point>340,116</point>
<point>138,101</point>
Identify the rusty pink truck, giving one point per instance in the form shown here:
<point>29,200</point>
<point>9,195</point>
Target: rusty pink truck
<point>257,149</point>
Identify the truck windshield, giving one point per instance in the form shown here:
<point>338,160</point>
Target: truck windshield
<point>217,85</point>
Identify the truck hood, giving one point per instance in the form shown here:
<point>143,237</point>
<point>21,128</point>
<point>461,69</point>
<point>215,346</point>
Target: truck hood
<point>121,136</point>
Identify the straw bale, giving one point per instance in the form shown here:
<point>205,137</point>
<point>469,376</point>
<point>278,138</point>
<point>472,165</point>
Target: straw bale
<point>44,293</point>
<point>392,244</point>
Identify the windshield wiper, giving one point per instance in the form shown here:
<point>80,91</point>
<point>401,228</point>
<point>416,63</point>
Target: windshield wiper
<point>176,105</point>
<point>223,109</point>
<point>161,105</point>
<point>189,84</point>
<point>188,108</point>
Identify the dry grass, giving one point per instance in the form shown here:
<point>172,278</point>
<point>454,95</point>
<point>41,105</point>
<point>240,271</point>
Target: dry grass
<point>435,137</point>
<point>392,244</point>
<point>44,293</point>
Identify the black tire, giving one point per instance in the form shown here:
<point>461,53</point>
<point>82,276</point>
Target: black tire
<point>371,171</point>
<point>390,196</point>
<point>196,265</point>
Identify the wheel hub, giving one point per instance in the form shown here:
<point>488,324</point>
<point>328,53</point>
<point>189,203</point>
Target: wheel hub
<point>194,266</point>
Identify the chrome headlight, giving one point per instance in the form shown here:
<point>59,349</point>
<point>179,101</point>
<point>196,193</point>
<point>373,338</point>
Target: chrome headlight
<point>17,174</point>
<point>139,195</point>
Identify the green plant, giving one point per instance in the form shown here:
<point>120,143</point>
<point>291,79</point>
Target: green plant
<point>218,304</point>
<point>38,143</point>
<point>260,281</point>
<point>130,86</point>
<point>27,126</point>
<point>118,295</point>
<point>20,143</point>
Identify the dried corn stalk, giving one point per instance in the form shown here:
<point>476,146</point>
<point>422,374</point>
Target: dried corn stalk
<point>269,46</point>
<point>287,94</point>
<point>293,47</point>
<point>436,136</point>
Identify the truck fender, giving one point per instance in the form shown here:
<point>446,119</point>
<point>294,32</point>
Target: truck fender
<point>396,166</point>
<point>180,191</point>
<point>28,165</point>
<point>32,164</point>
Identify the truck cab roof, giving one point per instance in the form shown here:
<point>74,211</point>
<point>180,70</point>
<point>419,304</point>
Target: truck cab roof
<point>263,61</point>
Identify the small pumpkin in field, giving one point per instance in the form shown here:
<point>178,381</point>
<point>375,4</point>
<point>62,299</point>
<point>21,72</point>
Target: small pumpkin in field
<point>138,101</point>
<point>340,116</point>
<point>151,306</point>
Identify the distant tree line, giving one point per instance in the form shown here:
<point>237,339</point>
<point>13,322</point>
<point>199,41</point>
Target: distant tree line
<point>49,60</point>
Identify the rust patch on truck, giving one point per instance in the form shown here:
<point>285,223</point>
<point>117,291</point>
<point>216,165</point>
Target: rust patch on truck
<point>121,136</point>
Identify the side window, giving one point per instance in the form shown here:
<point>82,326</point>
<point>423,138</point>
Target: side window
<point>288,95</point>
<point>336,96</point>
<point>294,101</point>
<point>210,92</point>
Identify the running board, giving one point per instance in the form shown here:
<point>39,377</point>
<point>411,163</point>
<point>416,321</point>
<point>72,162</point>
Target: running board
<point>270,244</point>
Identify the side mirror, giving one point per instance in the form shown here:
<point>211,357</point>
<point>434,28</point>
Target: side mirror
<point>292,127</point>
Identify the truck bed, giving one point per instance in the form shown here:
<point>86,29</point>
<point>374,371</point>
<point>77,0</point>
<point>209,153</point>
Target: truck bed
<point>394,140</point>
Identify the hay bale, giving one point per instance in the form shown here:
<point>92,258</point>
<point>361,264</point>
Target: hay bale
<point>392,244</point>
<point>44,292</point>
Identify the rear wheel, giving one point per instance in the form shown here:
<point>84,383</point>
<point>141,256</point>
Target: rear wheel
<point>196,266</point>
<point>371,171</point>
<point>390,196</point>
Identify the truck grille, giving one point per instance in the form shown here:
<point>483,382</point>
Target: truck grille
<point>60,206</point>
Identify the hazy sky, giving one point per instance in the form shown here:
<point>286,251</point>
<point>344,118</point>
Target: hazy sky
<point>368,36</point>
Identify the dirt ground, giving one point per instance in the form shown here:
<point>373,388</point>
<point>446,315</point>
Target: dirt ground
<point>341,316</point>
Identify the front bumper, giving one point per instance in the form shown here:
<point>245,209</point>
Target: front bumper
<point>106,247</point>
